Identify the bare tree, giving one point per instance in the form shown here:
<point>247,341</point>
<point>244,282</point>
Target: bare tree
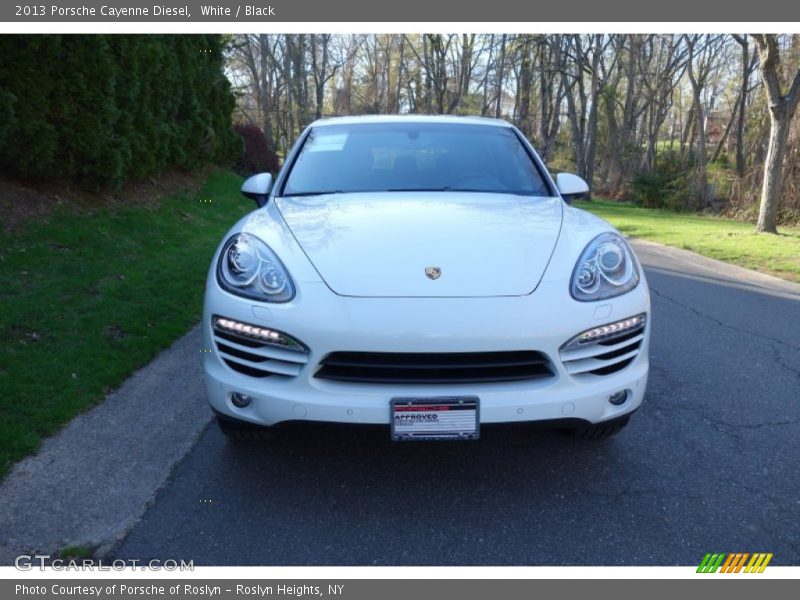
<point>662,63</point>
<point>437,68</point>
<point>781,107</point>
<point>400,72</point>
<point>623,106</point>
<point>748,64</point>
<point>608,101</point>
<point>321,69</point>
<point>524,50</point>
<point>257,57</point>
<point>501,64</point>
<point>738,104</point>
<point>551,93</point>
<point>702,53</point>
<point>580,66</point>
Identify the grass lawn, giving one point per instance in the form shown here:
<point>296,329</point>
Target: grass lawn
<point>723,239</point>
<point>85,299</point>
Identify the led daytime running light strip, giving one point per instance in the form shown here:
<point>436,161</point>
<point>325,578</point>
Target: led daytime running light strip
<point>261,333</point>
<point>604,331</point>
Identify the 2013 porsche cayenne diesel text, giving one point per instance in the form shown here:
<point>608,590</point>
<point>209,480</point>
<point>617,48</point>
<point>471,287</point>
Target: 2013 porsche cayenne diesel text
<point>427,274</point>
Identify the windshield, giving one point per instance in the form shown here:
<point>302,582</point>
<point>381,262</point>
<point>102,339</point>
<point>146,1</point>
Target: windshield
<point>413,156</point>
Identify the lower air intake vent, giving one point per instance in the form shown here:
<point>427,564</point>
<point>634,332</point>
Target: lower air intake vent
<point>428,368</point>
<point>605,349</point>
<point>258,351</point>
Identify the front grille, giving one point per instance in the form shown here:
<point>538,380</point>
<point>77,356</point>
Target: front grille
<point>257,358</point>
<point>456,367</point>
<point>611,353</point>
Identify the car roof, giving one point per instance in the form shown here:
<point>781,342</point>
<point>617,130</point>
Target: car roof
<point>413,118</point>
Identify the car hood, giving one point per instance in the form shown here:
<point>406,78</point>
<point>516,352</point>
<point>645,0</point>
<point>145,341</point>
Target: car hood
<point>380,244</point>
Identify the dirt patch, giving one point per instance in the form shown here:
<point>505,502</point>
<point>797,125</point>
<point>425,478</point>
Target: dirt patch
<point>16,333</point>
<point>23,201</point>
<point>114,333</point>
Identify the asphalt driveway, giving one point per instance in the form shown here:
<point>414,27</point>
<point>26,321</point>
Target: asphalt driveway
<point>709,463</point>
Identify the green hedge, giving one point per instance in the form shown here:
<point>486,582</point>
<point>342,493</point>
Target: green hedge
<point>103,109</point>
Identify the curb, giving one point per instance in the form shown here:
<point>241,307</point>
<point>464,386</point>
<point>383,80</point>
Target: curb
<point>649,252</point>
<point>91,482</point>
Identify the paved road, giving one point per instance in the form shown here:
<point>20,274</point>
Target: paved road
<point>710,463</point>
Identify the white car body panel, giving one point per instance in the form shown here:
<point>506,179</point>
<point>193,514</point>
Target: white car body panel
<point>378,245</point>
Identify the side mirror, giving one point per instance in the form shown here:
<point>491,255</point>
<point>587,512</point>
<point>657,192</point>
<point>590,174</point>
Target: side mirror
<point>570,186</point>
<point>257,188</point>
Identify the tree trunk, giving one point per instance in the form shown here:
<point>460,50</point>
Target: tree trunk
<point>686,135</point>
<point>577,131</point>
<point>746,67</point>
<point>701,152</point>
<point>428,77</point>
<point>591,145</point>
<point>773,166</point>
<point>400,66</point>
<point>320,71</point>
<point>499,84</point>
<point>723,140</point>
<point>485,103</point>
<point>525,84</point>
<point>591,127</point>
<point>698,81</point>
<point>781,110</point>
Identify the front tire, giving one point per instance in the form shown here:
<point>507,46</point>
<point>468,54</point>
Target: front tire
<point>600,431</point>
<point>240,431</point>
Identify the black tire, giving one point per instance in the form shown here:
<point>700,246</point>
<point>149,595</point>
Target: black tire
<point>600,431</point>
<point>240,431</point>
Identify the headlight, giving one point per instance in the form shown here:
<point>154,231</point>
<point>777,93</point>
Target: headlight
<point>605,269</point>
<point>247,267</point>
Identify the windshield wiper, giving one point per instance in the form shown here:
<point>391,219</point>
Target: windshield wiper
<point>316,193</point>
<point>446,188</point>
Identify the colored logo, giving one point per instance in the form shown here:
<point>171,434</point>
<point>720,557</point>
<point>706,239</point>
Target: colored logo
<point>735,562</point>
<point>433,272</point>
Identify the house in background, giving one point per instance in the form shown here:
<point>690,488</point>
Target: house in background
<point>716,121</point>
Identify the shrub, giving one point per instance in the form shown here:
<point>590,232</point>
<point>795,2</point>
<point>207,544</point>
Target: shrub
<point>649,189</point>
<point>256,155</point>
<point>671,184</point>
<point>722,180</point>
<point>103,109</point>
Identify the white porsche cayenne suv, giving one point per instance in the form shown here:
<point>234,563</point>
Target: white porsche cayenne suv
<point>426,274</point>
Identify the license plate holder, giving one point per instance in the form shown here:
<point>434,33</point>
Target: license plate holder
<point>435,418</point>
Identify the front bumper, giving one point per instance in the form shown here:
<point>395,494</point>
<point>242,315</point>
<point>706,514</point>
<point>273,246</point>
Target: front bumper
<point>326,322</point>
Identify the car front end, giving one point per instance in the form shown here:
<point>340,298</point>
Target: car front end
<point>371,310</point>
